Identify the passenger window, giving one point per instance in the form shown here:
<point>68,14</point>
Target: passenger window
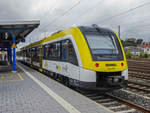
<point>56,51</point>
<point>68,52</point>
<point>52,51</point>
<point>61,51</point>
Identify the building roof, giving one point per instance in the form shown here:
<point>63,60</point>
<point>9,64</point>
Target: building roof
<point>145,46</point>
<point>20,28</point>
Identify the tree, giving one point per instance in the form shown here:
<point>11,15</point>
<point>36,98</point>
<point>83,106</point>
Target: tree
<point>145,55</point>
<point>128,54</point>
<point>141,56</point>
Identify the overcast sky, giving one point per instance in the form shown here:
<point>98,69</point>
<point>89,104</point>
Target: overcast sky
<point>132,15</point>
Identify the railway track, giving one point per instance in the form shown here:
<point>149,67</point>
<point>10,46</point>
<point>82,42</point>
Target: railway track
<point>136,76</point>
<point>116,104</point>
<point>139,69</point>
<point>139,77</point>
<point>140,88</point>
<point>139,60</point>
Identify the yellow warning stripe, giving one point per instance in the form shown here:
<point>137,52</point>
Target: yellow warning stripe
<point>20,76</point>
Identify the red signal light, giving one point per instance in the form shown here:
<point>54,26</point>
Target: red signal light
<point>122,64</point>
<point>96,65</point>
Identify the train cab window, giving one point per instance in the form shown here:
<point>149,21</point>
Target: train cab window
<point>104,47</point>
<point>68,52</point>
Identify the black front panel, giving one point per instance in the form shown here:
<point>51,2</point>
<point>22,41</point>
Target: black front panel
<point>107,79</point>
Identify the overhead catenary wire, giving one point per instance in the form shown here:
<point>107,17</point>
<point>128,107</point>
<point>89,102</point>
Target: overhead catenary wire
<point>42,16</point>
<point>122,13</point>
<point>87,11</point>
<point>49,11</point>
<point>58,17</point>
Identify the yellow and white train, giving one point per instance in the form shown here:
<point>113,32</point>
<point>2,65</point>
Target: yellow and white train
<point>86,57</point>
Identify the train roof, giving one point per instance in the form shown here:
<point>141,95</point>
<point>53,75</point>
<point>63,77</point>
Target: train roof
<point>84,29</point>
<point>95,28</point>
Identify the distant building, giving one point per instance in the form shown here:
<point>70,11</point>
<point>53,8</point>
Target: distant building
<point>131,40</point>
<point>146,47</point>
<point>134,50</point>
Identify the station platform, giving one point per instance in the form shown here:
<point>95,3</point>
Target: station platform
<point>29,91</point>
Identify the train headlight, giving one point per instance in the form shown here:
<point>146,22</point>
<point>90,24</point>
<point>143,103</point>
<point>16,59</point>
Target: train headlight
<point>122,64</point>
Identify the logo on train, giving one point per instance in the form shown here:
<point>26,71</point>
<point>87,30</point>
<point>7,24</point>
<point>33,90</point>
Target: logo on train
<point>58,67</point>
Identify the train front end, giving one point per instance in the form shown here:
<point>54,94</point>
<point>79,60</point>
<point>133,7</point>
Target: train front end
<point>105,59</point>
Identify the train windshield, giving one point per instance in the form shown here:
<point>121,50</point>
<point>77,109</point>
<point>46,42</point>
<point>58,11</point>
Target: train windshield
<point>104,47</point>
